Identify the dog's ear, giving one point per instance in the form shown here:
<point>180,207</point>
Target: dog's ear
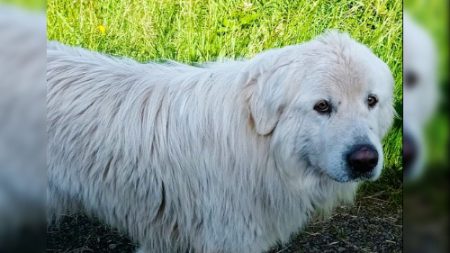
<point>267,100</point>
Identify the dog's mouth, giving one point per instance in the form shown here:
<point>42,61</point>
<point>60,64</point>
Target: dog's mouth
<point>368,176</point>
<point>341,179</point>
<point>347,177</point>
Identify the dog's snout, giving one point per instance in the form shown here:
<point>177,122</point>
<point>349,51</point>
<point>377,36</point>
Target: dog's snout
<point>362,158</point>
<point>409,152</point>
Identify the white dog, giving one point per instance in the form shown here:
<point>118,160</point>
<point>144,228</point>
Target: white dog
<point>419,94</point>
<point>228,157</point>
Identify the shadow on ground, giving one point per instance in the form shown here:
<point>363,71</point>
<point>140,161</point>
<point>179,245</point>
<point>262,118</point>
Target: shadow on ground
<point>370,225</point>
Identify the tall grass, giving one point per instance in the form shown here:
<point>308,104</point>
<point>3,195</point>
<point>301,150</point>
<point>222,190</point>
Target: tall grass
<point>202,30</point>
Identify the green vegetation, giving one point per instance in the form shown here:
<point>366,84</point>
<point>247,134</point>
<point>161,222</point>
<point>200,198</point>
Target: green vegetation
<point>201,30</point>
<point>36,5</point>
<point>432,15</point>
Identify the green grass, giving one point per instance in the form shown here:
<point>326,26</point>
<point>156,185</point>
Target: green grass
<point>201,30</point>
<point>36,5</point>
<point>432,15</point>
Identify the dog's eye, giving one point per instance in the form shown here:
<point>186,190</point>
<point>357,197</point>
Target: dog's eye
<point>411,79</point>
<point>322,107</point>
<point>372,100</point>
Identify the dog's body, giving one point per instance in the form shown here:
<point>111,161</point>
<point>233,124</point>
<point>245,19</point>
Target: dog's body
<point>208,159</point>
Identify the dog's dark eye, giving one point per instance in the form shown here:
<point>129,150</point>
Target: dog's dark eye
<point>372,100</point>
<point>322,107</point>
<point>411,79</point>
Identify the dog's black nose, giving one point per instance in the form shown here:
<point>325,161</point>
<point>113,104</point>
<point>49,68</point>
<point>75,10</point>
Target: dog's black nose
<point>410,152</point>
<point>362,158</point>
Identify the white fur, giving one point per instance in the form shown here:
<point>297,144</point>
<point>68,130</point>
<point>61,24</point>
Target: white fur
<point>211,158</point>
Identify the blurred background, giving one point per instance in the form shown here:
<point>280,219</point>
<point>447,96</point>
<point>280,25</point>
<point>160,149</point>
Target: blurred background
<point>22,126</point>
<point>426,111</point>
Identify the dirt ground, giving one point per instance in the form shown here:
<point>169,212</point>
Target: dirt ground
<point>370,225</point>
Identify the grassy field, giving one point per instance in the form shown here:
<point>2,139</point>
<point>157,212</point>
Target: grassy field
<point>201,30</point>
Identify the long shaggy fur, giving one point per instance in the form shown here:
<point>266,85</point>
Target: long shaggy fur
<point>176,156</point>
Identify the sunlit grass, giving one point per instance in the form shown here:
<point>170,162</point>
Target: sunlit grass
<point>201,30</point>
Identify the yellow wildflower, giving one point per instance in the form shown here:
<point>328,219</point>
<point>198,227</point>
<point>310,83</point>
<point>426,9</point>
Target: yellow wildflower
<point>101,29</point>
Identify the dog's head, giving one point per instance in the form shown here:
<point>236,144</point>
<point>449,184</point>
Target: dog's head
<point>326,105</point>
<point>419,94</point>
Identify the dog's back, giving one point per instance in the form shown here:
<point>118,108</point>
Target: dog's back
<point>121,148</point>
